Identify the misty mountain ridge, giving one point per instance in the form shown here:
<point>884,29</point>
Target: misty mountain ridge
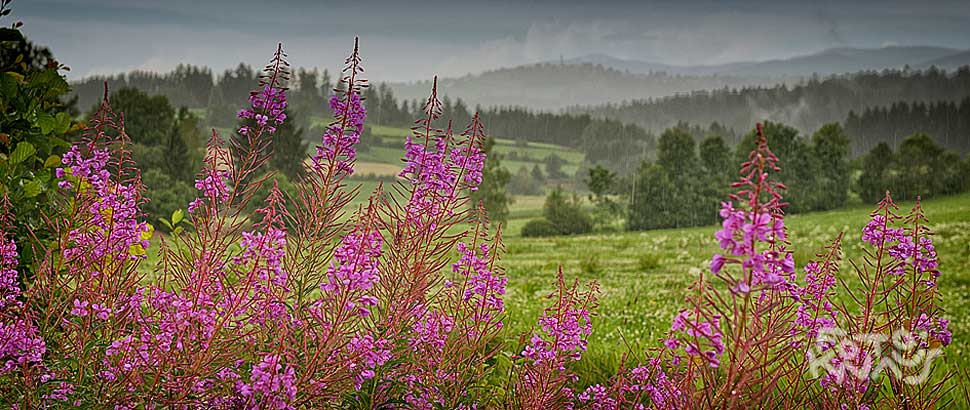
<point>599,78</point>
<point>827,62</point>
<point>554,86</point>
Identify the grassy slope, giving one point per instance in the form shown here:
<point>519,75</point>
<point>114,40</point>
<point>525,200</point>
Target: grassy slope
<point>531,154</point>
<point>644,275</point>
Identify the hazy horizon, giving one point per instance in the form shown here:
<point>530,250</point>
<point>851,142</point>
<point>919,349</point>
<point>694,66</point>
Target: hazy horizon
<point>409,43</point>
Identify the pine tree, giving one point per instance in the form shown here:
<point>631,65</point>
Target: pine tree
<point>178,159</point>
<point>830,147</point>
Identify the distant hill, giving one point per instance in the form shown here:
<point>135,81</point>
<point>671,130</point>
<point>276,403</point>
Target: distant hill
<point>950,62</point>
<point>600,78</point>
<point>552,86</point>
<point>933,101</point>
<point>824,63</point>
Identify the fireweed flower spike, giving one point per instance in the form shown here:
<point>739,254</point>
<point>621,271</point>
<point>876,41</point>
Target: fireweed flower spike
<point>544,379</point>
<point>336,152</point>
<point>21,347</point>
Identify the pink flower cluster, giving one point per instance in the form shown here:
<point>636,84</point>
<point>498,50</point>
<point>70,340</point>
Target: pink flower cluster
<point>112,227</point>
<point>271,385</point>
<point>935,328</point>
<point>429,173</point>
<point>214,188</point>
<point>740,233</point>
<point>642,387</point>
<point>268,107</point>
<point>9,282</point>
<point>20,344</point>
<point>342,135</point>
<point>815,310</point>
<point>365,354</point>
<point>436,171</point>
<point>703,337</point>
<point>357,269</point>
<point>565,331</point>
<point>263,253</point>
<point>469,157</point>
<point>483,289</point>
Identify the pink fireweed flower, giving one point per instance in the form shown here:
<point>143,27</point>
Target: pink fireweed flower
<point>468,156</point>
<point>265,252</point>
<point>429,335</point>
<point>9,284</point>
<point>365,354</point>
<point>358,262</point>
<point>740,233</point>
<point>20,342</point>
<point>597,398</point>
<point>80,308</point>
<point>339,139</point>
<point>815,311</point>
<point>101,312</point>
<point>336,152</point>
<point>431,174</point>
<point>356,270</point>
<point>111,229</point>
<point>934,328</point>
<point>700,337</point>
<point>878,231</point>
<point>271,386</point>
<point>565,332</point>
<point>20,345</point>
<point>268,106</point>
<point>850,371</point>
<point>214,187</point>
<point>484,288</point>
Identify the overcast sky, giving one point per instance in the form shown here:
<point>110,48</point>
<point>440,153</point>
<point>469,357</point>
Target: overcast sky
<point>402,41</point>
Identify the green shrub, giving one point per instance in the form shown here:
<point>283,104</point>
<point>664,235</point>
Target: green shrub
<point>539,228</point>
<point>566,213</point>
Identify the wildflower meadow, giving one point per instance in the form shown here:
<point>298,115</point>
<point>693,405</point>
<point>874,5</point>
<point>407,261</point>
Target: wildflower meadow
<point>330,296</point>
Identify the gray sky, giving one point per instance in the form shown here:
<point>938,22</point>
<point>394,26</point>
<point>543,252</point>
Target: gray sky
<point>403,41</point>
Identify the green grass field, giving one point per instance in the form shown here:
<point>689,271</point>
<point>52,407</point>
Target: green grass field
<point>644,275</point>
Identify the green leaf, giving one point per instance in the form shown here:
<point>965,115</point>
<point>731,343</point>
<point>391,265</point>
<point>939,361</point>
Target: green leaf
<point>8,85</point>
<point>32,189</point>
<point>63,123</point>
<point>23,152</point>
<point>177,216</point>
<point>52,161</point>
<point>46,122</point>
<point>52,80</point>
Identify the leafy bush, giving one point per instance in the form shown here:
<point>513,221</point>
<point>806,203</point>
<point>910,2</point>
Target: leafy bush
<point>538,228</point>
<point>921,168</point>
<point>35,126</point>
<point>566,213</point>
